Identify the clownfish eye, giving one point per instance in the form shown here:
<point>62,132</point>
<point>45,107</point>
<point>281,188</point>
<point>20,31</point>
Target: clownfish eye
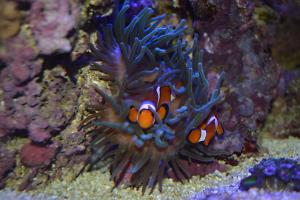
<point>145,119</point>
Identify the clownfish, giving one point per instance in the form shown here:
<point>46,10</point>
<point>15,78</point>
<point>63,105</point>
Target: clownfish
<point>205,131</point>
<point>157,100</point>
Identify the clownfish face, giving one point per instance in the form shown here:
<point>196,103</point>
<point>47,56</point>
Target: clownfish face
<point>158,101</point>
<point>144,116</point>
<point>205,131</point>
<point>145,119</point>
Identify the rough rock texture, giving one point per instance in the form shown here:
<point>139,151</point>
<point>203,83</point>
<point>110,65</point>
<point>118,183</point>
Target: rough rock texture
<point>7,163</point>
<point>50,22</point>
<point>286,46</point>
<point>37,156</point>
<point>284,119</point>
<point>14,81</point>
<point>49,105</point>
<point>251,74</point>
<point>10,19</point>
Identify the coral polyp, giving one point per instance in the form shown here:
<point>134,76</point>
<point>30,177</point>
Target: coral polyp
<point>274,174</point>
<point>160,93</point>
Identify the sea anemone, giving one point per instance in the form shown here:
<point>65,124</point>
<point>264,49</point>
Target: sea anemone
<point>137,58</point>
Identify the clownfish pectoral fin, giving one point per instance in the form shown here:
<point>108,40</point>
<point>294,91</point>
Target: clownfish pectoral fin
<point>163,111</point>
<point>133,114</point>
<point>145,118</point>
<point>219,129</point>
<point>210,132</point>
<point>194,136</point>
<point>218,125</point>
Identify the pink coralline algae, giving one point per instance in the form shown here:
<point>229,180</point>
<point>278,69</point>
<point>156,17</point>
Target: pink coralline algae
<point>15,82</point>
<point>36,110</point>
<point>31,106</point>
<point>33,155</point>
<point>20,68</point>
<point>28,103</point>
<point>51,22</point>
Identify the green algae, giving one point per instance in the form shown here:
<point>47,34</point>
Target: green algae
<point>264,15</point>
<point>90,7</point>
<point>284,118</point>
<point>65,95</point>
<point>86,78</point>
<point>16,177</point>
<point>286,48</point>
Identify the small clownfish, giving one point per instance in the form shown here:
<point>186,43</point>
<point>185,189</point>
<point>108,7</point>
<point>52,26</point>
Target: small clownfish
<point>156,100</point>
<point>206,131</point>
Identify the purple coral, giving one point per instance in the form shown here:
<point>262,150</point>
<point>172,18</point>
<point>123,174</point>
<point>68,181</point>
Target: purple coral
<point>29,105</point>
<point>296,173</point>
<point>137,5</point>
<point>270,169</point>
<point>274,174</point>
<point>284,175</point>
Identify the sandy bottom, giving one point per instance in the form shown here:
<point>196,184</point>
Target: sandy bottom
<point>96,185</point>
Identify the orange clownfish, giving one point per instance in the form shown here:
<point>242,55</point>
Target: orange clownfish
<point>205,131</point>
<point>156,100</point>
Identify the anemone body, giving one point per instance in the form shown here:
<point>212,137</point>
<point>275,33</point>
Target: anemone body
<point>138,56</point>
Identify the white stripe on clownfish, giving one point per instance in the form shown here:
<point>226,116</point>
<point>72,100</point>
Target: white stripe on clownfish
<point>203,136</point>
<point>148,105</point>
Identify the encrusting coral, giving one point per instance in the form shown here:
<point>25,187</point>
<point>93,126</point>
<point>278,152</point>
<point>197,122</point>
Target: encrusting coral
<point>274,174</point>
<point>144,139</point>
